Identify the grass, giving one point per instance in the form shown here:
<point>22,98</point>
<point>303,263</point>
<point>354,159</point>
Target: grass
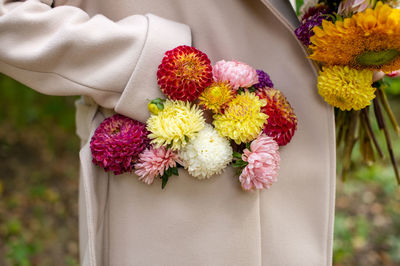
<point>39,189</point>
<point>38,184</point>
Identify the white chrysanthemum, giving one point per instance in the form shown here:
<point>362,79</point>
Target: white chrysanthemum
<point>207,154</point>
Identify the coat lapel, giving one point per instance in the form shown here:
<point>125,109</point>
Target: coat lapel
<point>284,12</point>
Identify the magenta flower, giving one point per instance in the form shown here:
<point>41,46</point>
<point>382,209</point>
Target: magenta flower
<point>117,143</point>
<point>394,74</point>
<point>262,164</point>
<point>154,162</point>
<point>305,30</point>
<point>238,74</point>
<point>314,10</point>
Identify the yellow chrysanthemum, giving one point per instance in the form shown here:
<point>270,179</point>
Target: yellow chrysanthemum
<point>367,40</point>
<point>216,96</point>
<point>175,125</point>
<point>346,88</point>
<point>242,120</point>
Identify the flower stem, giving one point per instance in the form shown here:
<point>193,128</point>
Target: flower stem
<point>368,128</point>
<point>382,126</point>
<point>340,124</point>
<point>350,140</point>
<point>366,149</point>
<point>383,99</point>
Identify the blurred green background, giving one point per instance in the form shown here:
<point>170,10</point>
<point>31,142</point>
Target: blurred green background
<point>39,188</point>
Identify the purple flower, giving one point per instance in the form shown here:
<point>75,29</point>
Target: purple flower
<point>318,9</point>
<point>117,143</point>
<point>305,30</point>
<point>263,80</point>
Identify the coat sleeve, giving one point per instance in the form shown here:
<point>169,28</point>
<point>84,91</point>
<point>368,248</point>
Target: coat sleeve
<point>63,51</point>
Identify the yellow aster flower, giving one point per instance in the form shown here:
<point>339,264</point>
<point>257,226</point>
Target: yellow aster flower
<point>346,88</point>
<point>216,96</point>
<point>242,120</point>
<point>367,40</point>
<point>175,125</point>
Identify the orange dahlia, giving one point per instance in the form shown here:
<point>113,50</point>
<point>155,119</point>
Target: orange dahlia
<point>184,73</point>
<point>282,121</point>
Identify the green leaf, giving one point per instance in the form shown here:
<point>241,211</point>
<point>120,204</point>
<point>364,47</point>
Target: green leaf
<point>392,85</point>
<point>334,18</point>
<point>174,171</point>
<point>160,106</point>
<point>158,100</point>
<point>251,89</point>
<point>167,174</point>
<point>240,164</point>
<point>237,155</point>
<point>299,3</point>
<point>165,178</point>
<point>236,165</point>
<point>248,146</point>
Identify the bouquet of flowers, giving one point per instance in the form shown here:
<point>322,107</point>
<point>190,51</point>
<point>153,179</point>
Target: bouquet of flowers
<point>355,43</point>
<point>248,119</point>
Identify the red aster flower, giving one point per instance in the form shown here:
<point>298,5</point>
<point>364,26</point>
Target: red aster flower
<point>282,121</point>
<point>117,143</point>
<point>184,73</point>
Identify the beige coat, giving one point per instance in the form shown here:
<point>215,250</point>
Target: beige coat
<point>112,59</point>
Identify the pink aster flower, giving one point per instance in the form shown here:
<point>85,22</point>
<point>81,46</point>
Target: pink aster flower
<point>153,162</point>
<point>117,143</point>
<point>263,164</point>
<point>238,74</point>
<point>347,7</point>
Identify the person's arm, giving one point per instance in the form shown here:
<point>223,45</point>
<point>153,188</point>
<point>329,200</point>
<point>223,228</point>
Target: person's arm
<point>62,51</point>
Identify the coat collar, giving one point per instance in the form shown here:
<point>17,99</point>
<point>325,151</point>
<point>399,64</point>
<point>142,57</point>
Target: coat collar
<point>283,10</point>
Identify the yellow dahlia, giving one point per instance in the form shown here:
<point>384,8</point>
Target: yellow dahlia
<point>346,88</point>
<point>367,40</point>
<point>175,125</point>
<point>242,120</point>
<point>216,96</point>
